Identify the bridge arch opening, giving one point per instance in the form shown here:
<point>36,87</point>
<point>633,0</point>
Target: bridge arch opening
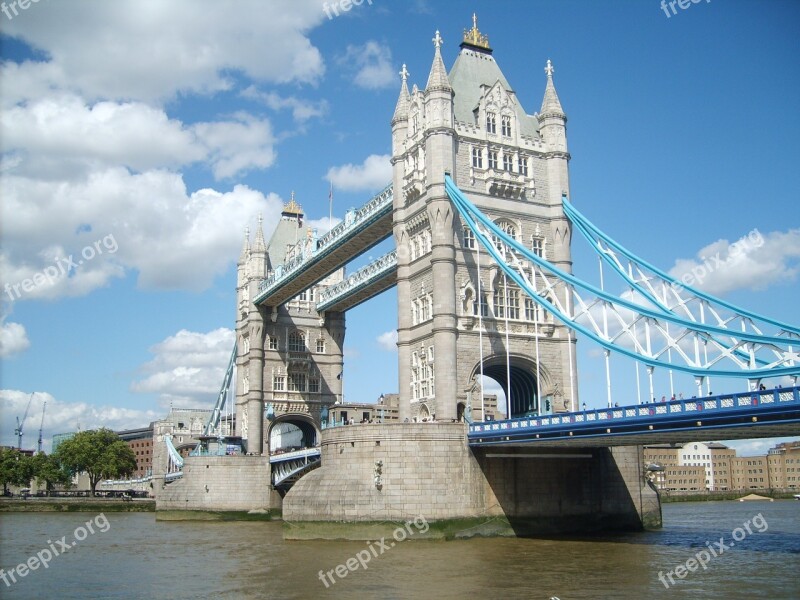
<point>523,385</point>
<point>292,432</point>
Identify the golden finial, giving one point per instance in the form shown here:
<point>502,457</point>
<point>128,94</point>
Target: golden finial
<point>474,37</point>
<point>292,207</point>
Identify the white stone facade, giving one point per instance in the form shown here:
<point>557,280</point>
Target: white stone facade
<point>514,167</point>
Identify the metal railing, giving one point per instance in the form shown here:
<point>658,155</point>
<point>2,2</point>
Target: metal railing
<point>357,280</point>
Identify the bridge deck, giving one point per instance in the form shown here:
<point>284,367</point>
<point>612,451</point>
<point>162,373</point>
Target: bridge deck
<point>772,413</point>
<point>361,230</point>
<point>369,281</point>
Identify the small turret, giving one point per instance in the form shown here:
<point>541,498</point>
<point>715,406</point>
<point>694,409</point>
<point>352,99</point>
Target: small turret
<point>404,100</point>
<point>244,258</point>
<point>257,267</point>
<point>551,105</point>
<point>437,79</point>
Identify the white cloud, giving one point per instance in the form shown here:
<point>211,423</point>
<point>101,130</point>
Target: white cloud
<point>152,50</point>
<point>302,110</point>
<point>13,339</point>
<point>372,64</point>
<point>754,261</point>
<point>323,225</point>
<point>373,174</point>
<point>188,368</point>
<point>171,238</point>
<point>388,341</point>
<point>65,138</point>
<point>61,417</point>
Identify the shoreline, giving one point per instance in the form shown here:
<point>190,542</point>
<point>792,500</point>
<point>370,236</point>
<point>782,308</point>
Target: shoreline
<point>76,505</point>
<point>722,496</point>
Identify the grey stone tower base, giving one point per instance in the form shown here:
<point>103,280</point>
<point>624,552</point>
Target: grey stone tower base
<point>375,476</point>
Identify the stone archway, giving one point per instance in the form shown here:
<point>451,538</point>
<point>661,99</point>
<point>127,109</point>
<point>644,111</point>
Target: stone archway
<point>292,432</point>
<point>523,387</point>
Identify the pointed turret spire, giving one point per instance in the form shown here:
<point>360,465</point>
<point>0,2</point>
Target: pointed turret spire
<point>551,104</point>
<point>404,100</point>
<point>258,244</point>
<point>438,75</point>
<point>245,247</point>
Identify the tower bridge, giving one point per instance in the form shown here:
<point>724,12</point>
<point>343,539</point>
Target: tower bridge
<point>479,208</point>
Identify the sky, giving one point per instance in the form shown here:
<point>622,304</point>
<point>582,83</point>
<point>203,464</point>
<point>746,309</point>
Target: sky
<point>139,138</point>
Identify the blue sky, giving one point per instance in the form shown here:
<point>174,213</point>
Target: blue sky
<point>153,132</point>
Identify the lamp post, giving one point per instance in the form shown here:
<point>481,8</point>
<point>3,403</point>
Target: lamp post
<point>382,398</point>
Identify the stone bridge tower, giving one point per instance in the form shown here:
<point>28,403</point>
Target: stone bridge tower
<point>289,359</point>
<point>454,324</point>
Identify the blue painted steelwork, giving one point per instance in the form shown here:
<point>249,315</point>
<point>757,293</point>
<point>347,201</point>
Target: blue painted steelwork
<point>751,409</point>
<point>355,220</point>
<point>597,238</point>
<point>290,466</point>
<point>740,347</point>
<point>174,461</point>
<point>358,281</point>
<point>228,389</point>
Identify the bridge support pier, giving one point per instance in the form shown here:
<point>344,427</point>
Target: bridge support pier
<point>396,472</point>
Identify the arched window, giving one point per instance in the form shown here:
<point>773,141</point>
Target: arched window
<point>297,342</point>
<point>506,227</point>
<point>491,122</point>
<point>506,300</point>
<point>506,125</point>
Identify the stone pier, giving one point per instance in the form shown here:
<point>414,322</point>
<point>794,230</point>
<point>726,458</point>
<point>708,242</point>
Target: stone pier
<point>374,476</point>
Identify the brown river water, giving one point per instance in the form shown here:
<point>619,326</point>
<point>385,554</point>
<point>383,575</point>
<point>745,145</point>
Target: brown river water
<point>709,550</point>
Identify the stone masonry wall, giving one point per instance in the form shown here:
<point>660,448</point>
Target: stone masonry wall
<point>427,469</point>
<point>219,483</point>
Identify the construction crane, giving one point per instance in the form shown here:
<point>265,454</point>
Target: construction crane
<point>41,425</point>
<point>18,430</point>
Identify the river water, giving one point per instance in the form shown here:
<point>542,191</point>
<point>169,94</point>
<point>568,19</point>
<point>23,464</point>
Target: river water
<point>130,555</point>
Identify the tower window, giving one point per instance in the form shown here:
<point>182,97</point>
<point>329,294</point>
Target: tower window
<point>492,159</point>
<point>484,306</point>
<point>321,346</point>
<point>522,165</point>
<point>537,245</point>
<point>273,342</point>
<point>297,342</point>
<point>508,164</point>
<point>297,382</point>
<point>278,383</point>
<point>506,302</point>
<point>313,385</point>
<point>477,158</point>
<point>469,238</point>
<point>491,122</point>
<point>506,125</point>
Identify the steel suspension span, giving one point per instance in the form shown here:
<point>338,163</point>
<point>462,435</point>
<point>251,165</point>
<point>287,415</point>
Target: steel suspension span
<point>655,320</point>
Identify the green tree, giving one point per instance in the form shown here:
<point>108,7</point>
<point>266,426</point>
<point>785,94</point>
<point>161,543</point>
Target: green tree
<point>16,468</point>
<point>49,471</point>
<point>99,453</point>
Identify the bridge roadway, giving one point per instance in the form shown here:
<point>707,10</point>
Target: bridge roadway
<point>770,413</point>
<point>361,230</point>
